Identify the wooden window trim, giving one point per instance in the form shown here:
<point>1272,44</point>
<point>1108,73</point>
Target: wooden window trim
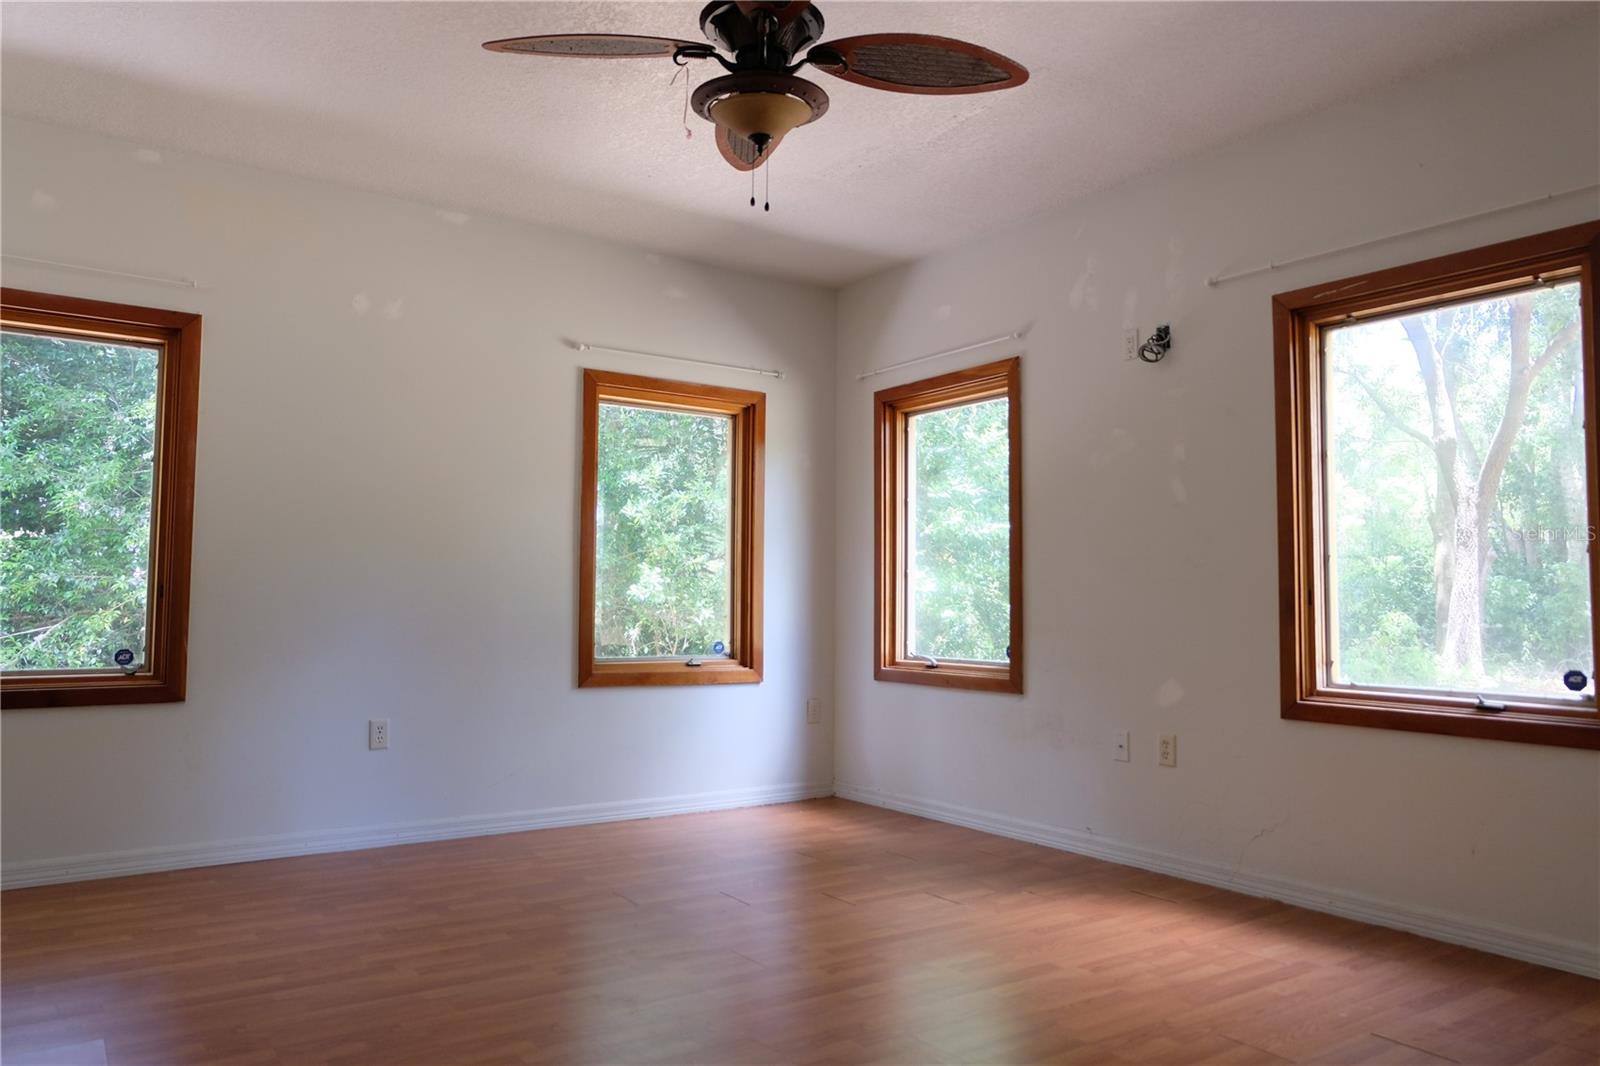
<point>1297,319</point>
<point>749,412</point>
<point>164,678</point>
<point>893,408</point>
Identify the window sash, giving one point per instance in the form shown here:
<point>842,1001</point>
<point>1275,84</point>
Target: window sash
<point>1328,622</point>
<point>1300,318</point>
<point>909,653</point>
<point>158,345</point>
<point>730,522</point>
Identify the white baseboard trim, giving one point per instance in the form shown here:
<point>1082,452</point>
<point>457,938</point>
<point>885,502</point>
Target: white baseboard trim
<point>1570,955</point>
<point>219,852</point>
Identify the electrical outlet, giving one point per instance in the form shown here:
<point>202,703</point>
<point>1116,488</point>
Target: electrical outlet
<point>1120,750</point>
<point>1130,342</point>
<point>1168,751</point>
<point>377,734</point>
<point>813,711</point>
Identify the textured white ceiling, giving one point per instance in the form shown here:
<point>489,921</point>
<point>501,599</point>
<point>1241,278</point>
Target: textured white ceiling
<point>400,98</point>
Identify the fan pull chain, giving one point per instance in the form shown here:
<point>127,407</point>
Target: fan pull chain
<point>688,134</point>
<point>752,186</point>
<point>766,169</point>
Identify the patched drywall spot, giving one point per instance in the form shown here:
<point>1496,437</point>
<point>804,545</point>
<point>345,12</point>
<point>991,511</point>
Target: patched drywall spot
<point>1117,444</point>
<point>1048,727</point>
<point>942,312</point>
<point>455,218</point>
<point>1130,309</point>
<point>147,155</point>
<point>360,303</point>
<point>1180,452</point>
<point>43,201</point>
<point>653,258</point>
<point>1180,491</point>
<point>1174,265</point>
<point>673,292</point>
<point>394,309</point>
<point>1086,290</point>
<point>1170,694</point>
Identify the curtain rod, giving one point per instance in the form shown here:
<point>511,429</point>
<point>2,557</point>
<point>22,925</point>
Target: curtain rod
<point>156,279</point>
<point>1219,279</point>
<point>583,346</point>
<point>1017,335</point>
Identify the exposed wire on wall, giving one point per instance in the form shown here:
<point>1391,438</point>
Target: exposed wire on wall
<point>1156,348</point>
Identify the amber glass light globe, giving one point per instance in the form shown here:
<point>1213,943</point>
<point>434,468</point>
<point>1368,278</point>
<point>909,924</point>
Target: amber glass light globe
<point>755,114</point>
<point>760,106</point>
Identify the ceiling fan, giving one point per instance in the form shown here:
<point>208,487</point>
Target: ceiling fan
<point>760,100</point>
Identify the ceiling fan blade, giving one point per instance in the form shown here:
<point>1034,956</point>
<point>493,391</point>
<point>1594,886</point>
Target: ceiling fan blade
<point>593,45</point>
<point>917,63</point>
<point>740,151</point>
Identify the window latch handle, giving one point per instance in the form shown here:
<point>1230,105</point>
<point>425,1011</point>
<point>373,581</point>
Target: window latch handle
<point>694,662</point>
<point>1492,708</point>
<point>933,664</point>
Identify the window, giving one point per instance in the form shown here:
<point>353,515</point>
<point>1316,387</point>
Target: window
<point>670,560</point>
<point>1437,494</point>
<point>97,435</point>
<point>949,536</point>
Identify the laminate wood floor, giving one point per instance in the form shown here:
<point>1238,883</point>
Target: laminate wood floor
<point>811,932</point>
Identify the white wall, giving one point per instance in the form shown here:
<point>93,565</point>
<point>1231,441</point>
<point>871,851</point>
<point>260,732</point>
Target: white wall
<point>1150,520</point>
<point>385,514</point>
<point>385,520</point>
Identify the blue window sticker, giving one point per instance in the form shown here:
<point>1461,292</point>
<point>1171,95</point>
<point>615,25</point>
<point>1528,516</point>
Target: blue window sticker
<point>1575,680</point>
<point>719,647</point>
<point>123,657</point>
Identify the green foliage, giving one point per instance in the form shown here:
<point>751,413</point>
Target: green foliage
<point>1384,486</point>
<point>960,595</point>
<point>77,440</point>
<point>662,584</point>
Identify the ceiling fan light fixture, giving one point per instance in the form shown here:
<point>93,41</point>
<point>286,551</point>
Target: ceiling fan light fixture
<point>761,106</point>
<point>762,117</point>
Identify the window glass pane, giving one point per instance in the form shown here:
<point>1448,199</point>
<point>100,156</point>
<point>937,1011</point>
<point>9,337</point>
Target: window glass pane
<point>77,467</point>
<point>663,544</point>
<point>1457,507</point>
<point>958,532</point>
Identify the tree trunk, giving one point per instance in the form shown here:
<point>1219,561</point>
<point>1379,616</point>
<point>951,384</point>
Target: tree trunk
<point>1448,485</point>
<point>1462,648</point>
<point>1469,494</point>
